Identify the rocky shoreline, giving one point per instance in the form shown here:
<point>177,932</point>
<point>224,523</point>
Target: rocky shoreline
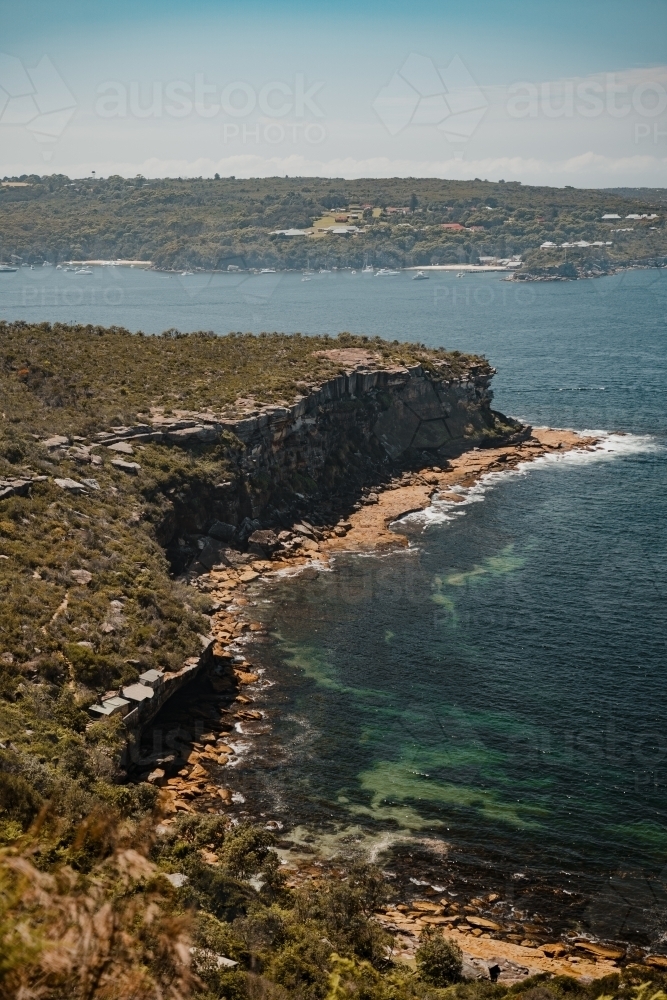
<point>193,780</point>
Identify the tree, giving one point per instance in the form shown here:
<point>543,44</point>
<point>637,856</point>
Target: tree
<point>439,960</point>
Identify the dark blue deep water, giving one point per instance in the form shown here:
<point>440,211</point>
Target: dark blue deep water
<point>500,687</point>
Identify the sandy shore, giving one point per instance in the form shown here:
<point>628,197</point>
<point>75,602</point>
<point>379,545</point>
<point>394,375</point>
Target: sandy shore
<point>368,528</point>
<point>516,961</point>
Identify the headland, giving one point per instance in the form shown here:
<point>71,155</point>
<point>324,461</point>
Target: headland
<point>147,484</point>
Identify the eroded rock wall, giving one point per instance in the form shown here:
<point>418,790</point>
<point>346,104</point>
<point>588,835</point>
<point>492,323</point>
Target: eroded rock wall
<point>388,414</point>
<point>343,434</point>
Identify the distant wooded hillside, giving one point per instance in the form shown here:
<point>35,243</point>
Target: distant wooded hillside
<point>213,224</point>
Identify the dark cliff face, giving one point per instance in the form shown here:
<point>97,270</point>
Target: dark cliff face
<point>400,415</point>
<point>351,431</point>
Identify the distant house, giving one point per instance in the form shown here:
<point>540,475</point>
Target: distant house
<point>634,215</point>
<point>610,216</point>
<point>339,230</point>
<point>289,232</point>
<point>451,225</point>
<point>475,229</point>
<point>546,245</point>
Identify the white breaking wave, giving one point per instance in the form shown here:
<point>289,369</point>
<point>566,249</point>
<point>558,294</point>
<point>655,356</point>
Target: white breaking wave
<point>609,447</point>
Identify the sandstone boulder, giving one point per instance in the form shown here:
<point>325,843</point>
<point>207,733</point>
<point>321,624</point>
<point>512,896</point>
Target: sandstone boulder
<point>262,543</point>
<point>483,923</point>
<point>71,485</point>
<point>131,468</point>
<point>600,950</point>
<point>121,447</point>
<point>554,949</point>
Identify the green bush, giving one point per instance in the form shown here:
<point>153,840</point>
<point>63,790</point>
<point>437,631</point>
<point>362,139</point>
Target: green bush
<point>300,970</point>
<point>18,800</point>
<point>89,667</point>
<point>439,960</point>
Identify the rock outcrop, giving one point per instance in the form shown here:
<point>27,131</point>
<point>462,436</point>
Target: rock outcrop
<point>371,413</point>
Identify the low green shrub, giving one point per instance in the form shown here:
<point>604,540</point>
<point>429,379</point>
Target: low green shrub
<point>439,960</point>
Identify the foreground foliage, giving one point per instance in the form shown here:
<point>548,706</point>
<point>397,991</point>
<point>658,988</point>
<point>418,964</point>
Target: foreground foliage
<point>104,922</point>
<point>439,961</point>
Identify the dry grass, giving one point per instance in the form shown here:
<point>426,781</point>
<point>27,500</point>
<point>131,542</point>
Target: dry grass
<point>78,380</point>
<point>106,935</point>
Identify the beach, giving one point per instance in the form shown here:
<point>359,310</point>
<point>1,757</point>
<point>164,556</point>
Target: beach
<point>236,588</point>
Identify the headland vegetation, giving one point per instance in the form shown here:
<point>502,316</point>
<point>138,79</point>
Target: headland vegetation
<point>147,484</point>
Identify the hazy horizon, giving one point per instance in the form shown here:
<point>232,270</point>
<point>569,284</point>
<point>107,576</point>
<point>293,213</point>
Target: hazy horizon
<point>545,96</point>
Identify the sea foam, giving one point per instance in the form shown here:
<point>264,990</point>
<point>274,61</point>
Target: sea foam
<point>610,446</point>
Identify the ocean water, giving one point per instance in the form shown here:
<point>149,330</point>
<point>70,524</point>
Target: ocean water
<point>490,704</point>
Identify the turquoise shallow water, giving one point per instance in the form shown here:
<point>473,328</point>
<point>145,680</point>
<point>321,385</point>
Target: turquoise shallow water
<point>501,686</point>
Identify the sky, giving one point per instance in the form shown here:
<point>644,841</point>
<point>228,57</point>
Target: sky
<point>560,93</point>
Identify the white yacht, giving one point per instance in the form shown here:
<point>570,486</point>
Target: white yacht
<point>420,276</point>
<point>268,270</point>
<point>385,272</point>
<point>84,270</point>
<point>367,269</point>
<point>6,268</point>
